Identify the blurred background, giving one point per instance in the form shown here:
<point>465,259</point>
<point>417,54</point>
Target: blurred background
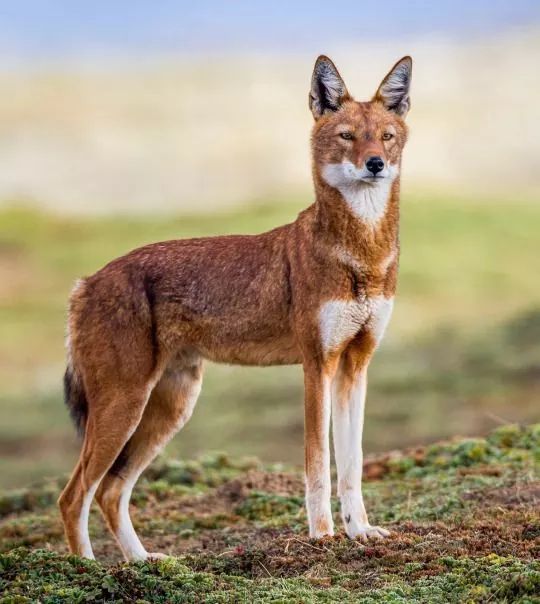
<point>130,122</point>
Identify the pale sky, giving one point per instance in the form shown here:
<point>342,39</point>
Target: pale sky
<point>46,30</point>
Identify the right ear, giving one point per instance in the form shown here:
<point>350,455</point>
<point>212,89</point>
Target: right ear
<point>393,92</point>
<point>328,90</point>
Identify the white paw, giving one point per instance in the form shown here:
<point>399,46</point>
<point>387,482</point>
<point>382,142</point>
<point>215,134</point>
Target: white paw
<point>157,556</point>
<point>364,532</point>
<point>321,527</point>
<point>322,533</point>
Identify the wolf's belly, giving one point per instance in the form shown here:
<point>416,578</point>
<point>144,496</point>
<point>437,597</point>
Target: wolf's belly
<point>277,350</point>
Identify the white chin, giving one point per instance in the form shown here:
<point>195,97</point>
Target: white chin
<point>373,179</point>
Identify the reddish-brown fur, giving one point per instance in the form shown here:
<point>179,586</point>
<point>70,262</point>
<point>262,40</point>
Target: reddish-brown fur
<point>141,326</point>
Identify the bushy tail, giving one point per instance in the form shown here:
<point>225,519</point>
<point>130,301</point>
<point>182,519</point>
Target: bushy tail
<point>75,398</point>
<point>74,394</point>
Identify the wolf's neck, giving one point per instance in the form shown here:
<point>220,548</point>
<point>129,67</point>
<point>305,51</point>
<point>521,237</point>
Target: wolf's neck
<point>367,202</point>
<point>359,214</point>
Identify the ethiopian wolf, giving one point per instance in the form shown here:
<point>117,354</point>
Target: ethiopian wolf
<point>318,291</point>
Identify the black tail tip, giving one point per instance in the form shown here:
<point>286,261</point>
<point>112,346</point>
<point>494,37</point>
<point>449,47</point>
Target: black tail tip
<point>75,399</point>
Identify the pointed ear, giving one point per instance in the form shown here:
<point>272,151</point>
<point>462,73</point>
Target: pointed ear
<point>393,92</point>
<point>328,91</point>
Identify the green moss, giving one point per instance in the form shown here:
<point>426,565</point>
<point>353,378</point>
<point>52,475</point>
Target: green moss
<point>46,577</point>
<point>462,513</point>
<point>174,523</point>
<point>516,436</point>
<point>509,435</point>
<point>34,529</point>
<point>208,471</point>
<point>505,445</point>
<point>262,506</point>
<point>28,499</point>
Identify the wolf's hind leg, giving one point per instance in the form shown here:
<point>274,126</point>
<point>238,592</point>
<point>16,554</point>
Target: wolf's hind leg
<point>112,419</point>
<point>169,408</point>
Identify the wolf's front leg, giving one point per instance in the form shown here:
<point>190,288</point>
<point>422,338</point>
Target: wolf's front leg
<point>348,402</point>
<point>317,449</point>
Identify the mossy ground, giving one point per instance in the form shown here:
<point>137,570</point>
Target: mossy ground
<point>464,517</point>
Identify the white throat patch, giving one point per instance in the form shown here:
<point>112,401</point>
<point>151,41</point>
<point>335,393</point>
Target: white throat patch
<point>367,200</point>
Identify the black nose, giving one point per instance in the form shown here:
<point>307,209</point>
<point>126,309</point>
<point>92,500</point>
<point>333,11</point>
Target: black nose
<point>375,164</point>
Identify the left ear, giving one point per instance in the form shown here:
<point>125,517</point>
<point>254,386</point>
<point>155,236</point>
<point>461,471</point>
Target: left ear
<point>328,90</point>
<point>393,92</point>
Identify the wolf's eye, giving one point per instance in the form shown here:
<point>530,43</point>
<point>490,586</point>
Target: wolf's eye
<point>387,136</point>
<point>348,136</point>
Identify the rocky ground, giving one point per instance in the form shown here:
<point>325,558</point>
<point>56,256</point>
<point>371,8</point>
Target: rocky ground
<point>464,515</point>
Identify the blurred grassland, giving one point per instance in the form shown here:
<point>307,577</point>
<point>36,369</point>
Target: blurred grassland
<point>462,350</point>
<point>125,136</point>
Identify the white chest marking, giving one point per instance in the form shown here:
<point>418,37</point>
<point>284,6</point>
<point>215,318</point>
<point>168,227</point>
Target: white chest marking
<point>341,320</point>
<point>380,317</point>
<point>368,201</point>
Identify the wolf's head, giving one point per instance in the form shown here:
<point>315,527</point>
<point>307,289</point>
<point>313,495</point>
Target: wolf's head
<point>358,144</point>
